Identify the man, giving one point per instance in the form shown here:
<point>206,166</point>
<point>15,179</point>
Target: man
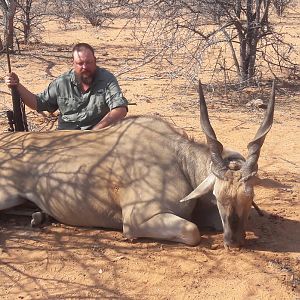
<point>87,96</point>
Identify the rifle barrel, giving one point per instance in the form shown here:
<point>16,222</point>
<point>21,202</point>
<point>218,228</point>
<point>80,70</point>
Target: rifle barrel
<point>16,100</point>
<point>8,60</point>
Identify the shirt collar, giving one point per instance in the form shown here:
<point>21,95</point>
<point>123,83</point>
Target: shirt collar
<point>72,77</point>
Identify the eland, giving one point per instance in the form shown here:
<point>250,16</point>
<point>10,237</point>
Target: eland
<point>140,175</point>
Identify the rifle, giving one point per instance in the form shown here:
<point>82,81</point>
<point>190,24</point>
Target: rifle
<point>16,118</point>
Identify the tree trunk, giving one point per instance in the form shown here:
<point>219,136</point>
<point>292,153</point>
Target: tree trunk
<point>256,14</point>
<point>27,22</point>
<point>9,25</point>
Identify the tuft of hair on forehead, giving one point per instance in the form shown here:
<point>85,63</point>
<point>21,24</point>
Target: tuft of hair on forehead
<point>83,46</point>
<point>232,176</point>
<point>234,165</point>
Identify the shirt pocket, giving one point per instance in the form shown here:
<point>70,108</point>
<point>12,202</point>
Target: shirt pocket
<point>98,101</point>
<point>69,109</point>
<point>67,105</point>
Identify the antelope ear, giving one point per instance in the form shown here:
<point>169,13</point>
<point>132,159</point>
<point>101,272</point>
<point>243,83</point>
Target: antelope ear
<point>204,187</point>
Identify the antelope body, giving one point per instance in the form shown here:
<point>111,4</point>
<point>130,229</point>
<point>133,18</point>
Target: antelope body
<point>140,176</point>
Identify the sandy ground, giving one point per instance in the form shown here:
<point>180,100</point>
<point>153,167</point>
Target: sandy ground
<point>62,262</point>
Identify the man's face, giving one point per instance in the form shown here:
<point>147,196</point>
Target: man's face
<point>84,63</point>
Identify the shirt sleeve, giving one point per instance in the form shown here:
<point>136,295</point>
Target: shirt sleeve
<point>47,100</point>
<point>114,95</point>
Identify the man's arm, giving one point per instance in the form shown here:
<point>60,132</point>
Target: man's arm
<point>12,80</point>
<point>113,116</point>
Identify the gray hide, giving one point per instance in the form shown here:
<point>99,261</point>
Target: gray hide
<point>140,175</point>
<point>131,176</point>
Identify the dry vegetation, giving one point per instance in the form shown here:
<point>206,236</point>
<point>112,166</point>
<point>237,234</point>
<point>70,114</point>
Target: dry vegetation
<point>61,262</point>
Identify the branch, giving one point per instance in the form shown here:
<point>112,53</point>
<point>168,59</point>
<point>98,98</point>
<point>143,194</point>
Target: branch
<point>208,36</point>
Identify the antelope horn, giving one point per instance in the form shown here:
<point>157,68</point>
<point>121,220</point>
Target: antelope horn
<point>250,167</point>
<point>218,165</point>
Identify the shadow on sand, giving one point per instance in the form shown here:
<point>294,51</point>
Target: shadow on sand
<point>273,233</point>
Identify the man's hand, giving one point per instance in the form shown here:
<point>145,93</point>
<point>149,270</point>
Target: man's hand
<point>11,80</point>
<point>112,117</point>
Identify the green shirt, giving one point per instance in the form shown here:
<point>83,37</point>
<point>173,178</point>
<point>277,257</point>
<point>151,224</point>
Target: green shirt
<point>80,110</point>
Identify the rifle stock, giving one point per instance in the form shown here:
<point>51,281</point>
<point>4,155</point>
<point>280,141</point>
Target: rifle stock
<point>19,117</point>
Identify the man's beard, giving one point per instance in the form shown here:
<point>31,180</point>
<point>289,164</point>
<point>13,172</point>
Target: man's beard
<point>84,78</point>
